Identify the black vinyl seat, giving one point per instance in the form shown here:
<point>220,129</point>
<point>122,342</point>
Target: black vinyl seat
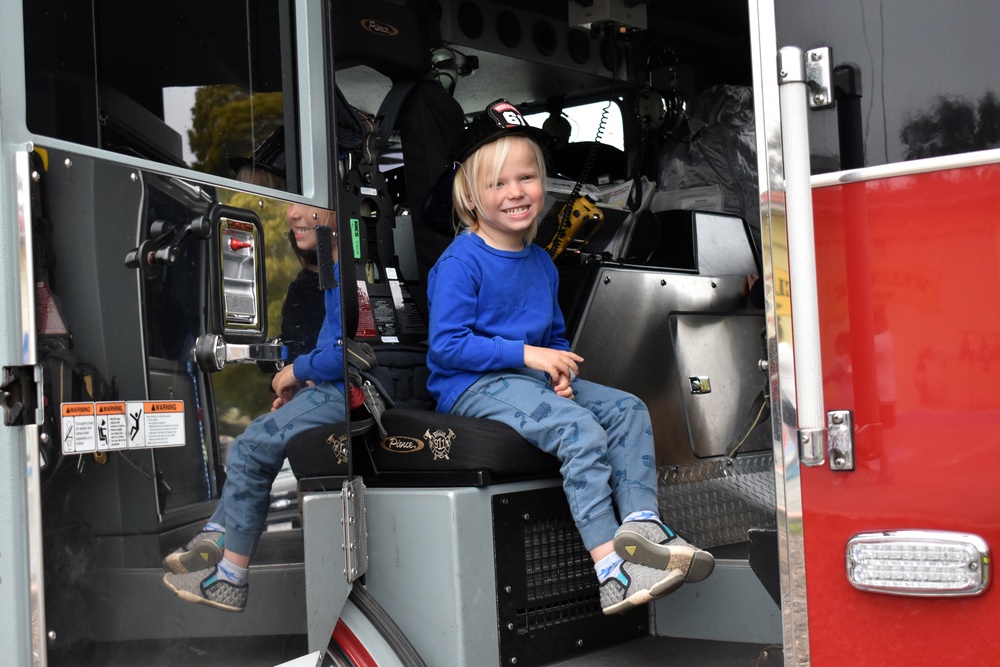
<point>420,446</point>
<point>434,442</point>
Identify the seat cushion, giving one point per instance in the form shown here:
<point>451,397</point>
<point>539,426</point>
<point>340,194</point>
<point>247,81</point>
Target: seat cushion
<point>426,441</point>
<point>417,439</point>
<point>322,451</point>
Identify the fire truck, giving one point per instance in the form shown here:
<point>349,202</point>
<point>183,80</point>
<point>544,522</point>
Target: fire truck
<point>827,438</point>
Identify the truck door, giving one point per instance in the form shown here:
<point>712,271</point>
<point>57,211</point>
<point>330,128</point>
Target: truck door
<point>885,346</point>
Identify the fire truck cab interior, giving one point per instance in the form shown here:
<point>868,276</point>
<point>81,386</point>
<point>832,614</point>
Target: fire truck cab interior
<point>438,540</point>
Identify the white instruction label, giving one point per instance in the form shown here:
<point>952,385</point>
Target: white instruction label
<point>110,422</point>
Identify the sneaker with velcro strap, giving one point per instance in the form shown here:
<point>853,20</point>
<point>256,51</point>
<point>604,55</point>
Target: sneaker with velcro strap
<point>205,587</point>
<point>203,550</point>
<point>652,544</point>
<point>635,585</point>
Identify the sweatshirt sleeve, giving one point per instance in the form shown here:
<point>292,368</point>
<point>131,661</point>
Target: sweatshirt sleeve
<point>453,293</point>
<point>326,362</point>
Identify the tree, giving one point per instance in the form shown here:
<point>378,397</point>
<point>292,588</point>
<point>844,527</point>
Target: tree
<point>228,122</point>
<point>953,126</point>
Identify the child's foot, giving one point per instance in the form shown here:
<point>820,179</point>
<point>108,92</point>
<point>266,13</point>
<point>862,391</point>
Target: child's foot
<point>203,550</point>
<point>635,585</point>
<point>206,587</point>
<point>652,544</point>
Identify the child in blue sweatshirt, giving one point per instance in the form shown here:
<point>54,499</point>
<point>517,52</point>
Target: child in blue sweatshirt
<point>498,351</point>
<point>212,567</point>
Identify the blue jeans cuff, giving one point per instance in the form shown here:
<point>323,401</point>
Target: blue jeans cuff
<point>598,530</point>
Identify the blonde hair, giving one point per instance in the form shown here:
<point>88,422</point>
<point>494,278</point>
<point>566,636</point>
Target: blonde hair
<point>484,166</point>
<point>248,173</point>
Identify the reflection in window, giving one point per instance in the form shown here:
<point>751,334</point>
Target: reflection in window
<point>243,391</point>
<point>584,121</point>
<point>913,102</point>
<point>182,83</point>
<point>588,142</point>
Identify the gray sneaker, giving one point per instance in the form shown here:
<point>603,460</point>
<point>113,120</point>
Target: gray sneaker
<point>204,587</point>
<point>652,544</point>
<point>203,550</point>
<point>636,585</point>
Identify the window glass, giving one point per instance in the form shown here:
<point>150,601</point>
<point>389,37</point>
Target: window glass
<point>597,121</point>
<point>923,93</point>
<point>197,85</point>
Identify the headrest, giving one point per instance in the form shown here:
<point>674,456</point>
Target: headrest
<point>390,38</point>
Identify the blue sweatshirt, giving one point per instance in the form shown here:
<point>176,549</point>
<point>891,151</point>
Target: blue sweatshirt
<point>485,306</point>
<point>326,362</point>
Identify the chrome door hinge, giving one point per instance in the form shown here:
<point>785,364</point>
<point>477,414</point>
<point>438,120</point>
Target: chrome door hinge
<point>814,69</point>
<point>835,442</point>
<point>355,529</point>
<point>840,439</point>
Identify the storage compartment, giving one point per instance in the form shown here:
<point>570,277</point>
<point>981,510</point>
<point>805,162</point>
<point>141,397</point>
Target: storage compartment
<point>689,346</point>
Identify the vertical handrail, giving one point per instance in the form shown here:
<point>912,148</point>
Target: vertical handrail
<point>793,90</point>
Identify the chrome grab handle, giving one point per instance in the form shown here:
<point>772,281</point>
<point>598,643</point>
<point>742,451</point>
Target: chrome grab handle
<point>794,94</point>
<point>213,353</point>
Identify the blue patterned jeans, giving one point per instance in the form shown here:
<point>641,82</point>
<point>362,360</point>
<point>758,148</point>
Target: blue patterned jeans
<point>603,439</point>
<point>256,457</point>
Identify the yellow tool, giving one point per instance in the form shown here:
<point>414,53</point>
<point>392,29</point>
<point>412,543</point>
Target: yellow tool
<point>580,215</point>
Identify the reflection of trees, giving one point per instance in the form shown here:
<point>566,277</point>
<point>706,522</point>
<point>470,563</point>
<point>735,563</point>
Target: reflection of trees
<point>245,387</point>
<point>281,263</point>
<point>228,122</point>
<point>953,126</point>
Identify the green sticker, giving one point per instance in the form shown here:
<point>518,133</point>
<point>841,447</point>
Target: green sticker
<point>356,237</point>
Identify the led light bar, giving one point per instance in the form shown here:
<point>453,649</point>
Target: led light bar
<point>919,562</point>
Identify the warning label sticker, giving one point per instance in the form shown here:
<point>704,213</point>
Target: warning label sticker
<point>111,425</point>
<point>366,319</point>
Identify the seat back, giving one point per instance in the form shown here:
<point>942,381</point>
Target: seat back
<point>413,442</point>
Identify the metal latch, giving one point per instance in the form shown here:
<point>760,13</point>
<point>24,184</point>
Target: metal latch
<point>840,439</point>
<point>21,395</point>
<point>700,384</point>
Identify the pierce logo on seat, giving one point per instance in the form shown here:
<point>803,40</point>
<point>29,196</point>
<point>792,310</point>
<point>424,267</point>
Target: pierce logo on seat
<point>379,28</point>
<point>401,445</point>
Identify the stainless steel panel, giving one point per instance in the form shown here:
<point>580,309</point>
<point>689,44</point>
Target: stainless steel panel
<point>649,332</point>
<point>716,501</point>
<point>720,351</point>
<point>722,244</point>
<point>689,347</point>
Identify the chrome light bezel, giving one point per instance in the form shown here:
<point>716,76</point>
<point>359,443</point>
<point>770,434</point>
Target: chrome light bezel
<point>929,563</point>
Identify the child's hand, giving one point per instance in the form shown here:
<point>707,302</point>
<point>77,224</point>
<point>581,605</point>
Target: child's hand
<point>561,365</point>
<point>285,385</point>
<point>563,386</point>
